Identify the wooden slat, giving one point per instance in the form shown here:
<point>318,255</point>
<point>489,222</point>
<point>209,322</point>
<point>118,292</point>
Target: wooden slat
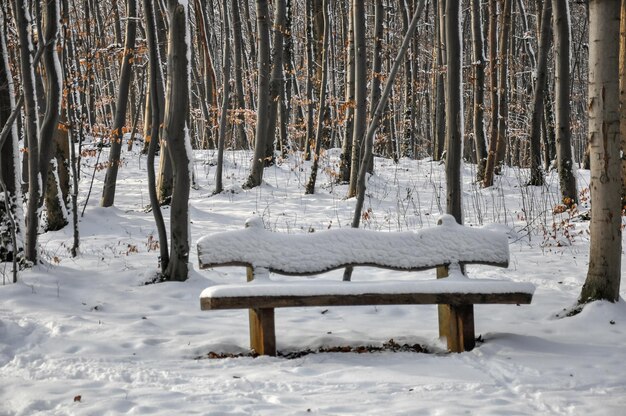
<point>242,302</point>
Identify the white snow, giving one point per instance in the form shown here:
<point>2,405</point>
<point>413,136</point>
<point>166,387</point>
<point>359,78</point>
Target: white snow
<point>88,326</point>
<point>318,288</point>
<point>326,250</point>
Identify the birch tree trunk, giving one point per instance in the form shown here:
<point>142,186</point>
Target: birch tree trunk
<point>605,255</point>
<point>562,43</point>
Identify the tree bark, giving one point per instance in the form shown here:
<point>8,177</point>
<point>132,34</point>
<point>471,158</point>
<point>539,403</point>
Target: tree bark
<point>454,110</point>
<point>494,95</point>
<point>605,254</point>
<point>11,212</point>
<point>536,171</point>
<point>503,102</point>
<point>110,179</point>
<point>277,80</point>
<point>263,107</point>
<point>562,43</point>
<point>177,141</point>
<point>360,93</point>
<point>219,186</point>
<point>479,63</point>
<point>31,138</point>
<point>242,138</point>
<point>310,186</point>
<point>156,104</point>
<point>622,96</point>
<point>346,148</point>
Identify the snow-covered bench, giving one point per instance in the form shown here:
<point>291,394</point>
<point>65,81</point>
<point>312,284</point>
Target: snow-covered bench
<point>445,247</point>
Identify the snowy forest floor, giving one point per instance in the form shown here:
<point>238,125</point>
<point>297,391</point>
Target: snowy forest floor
<point>85,336</point>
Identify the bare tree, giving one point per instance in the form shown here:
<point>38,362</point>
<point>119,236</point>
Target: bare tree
<point>23,22</point>
<point>536,171</point>
<point>562,46</point>
<point>176,135</point>
<point>310,186</point>
<point>263,107</point>
<point>494,96</point>
<point>605,256</point>
<point>454,110</point>
<point>219,186</point>
<point>360,93</point>
<point>155,94</point>
<point>622,96</point>
<point>11,213</point>
<point>110,180</point>
<point>479,63</point>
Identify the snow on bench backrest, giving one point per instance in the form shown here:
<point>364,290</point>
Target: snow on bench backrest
<point>313,253</point>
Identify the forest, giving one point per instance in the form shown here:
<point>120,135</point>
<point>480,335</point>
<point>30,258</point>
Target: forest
<point>529,84</point>
<point>130,129</point>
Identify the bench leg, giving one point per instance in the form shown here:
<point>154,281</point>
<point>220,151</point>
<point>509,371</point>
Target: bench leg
<point>262,335</point>
<point>456,323</point>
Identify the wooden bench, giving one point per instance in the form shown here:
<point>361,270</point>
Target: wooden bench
<point>447,247</point>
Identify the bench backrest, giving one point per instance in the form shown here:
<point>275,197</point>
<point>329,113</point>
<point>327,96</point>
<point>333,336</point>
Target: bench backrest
<point>314,253</point>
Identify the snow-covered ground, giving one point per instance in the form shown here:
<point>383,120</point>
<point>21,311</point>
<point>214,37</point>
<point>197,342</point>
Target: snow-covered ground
<point>85,336</point>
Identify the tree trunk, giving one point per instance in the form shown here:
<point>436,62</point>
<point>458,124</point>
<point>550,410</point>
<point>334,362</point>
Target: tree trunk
<point>494,95</point>
<point>377,67</point>
<point>242,138</point>
<point>31,138</point>
<point>256,172</point>
<point>503,103</point>
<point>110,179</point>
<point>177,138</point>
<point>536,171</point>
<point>478,54</point>
<point>454,110</point>
<point>605,255</point>
<point>310,78</point>
<point>156,104</point>
<point>277,80</point>
<point>219,186</point>
<point>360,92</point>
<point>11,212</point>
<point>440,95</point>
<point>346,148</point>
<point>622,97</point>
<point>567,180</point>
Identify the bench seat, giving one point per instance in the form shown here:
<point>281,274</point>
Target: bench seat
<point>458,291</point>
